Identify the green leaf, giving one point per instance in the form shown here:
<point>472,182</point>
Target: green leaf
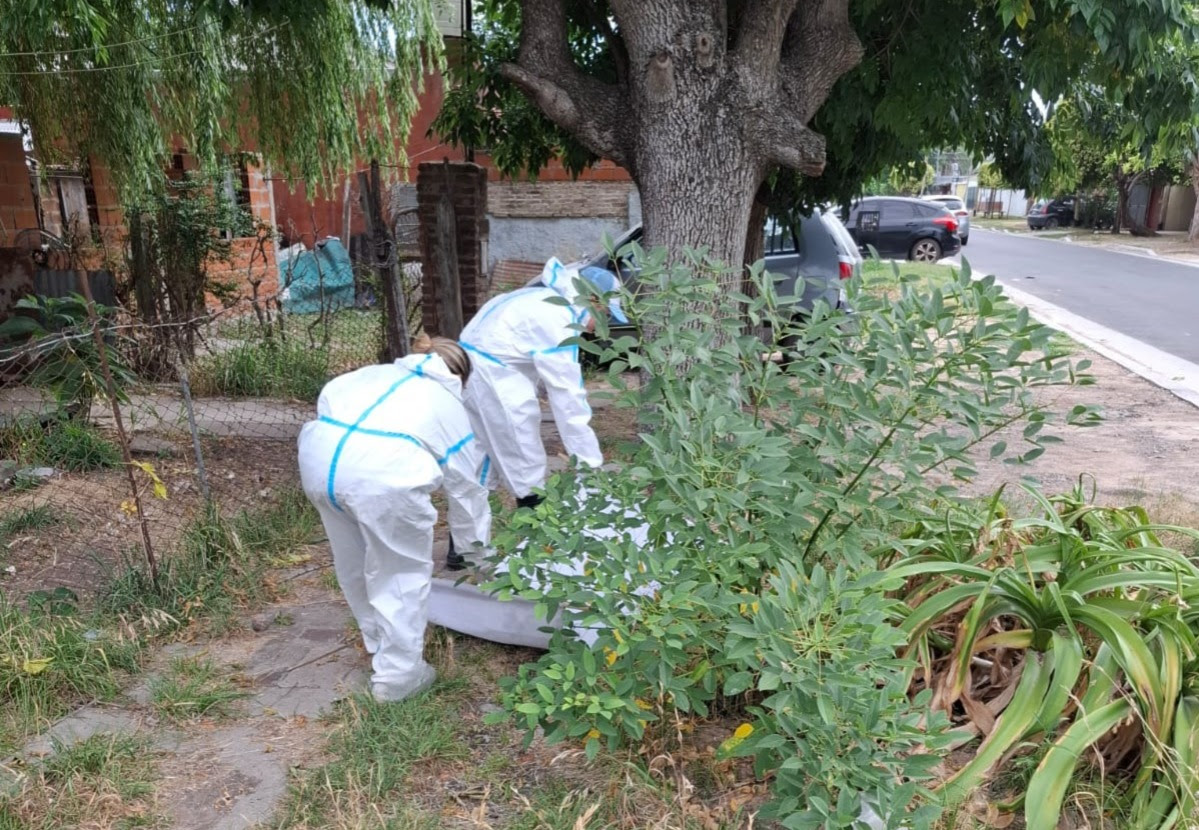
<point>1048,785</point>
<point>1015,722</point>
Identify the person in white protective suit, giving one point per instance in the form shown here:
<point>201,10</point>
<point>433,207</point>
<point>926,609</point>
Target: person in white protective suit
<point>515,340</point>
<point>386,437</point>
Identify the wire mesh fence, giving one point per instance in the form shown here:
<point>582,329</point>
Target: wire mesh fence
<point>118,434</point>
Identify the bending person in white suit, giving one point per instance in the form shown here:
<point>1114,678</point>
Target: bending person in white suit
<point>515,341</point>
<point>386,438</point>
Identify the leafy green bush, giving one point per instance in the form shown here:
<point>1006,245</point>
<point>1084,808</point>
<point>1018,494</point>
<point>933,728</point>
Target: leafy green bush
<point>263,369</point>
<point>748,472</point>
<point>1076,624</point>
<point>56,334</point>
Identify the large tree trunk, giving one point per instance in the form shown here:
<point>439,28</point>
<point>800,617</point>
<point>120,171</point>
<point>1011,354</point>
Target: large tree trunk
<point>1193,234</point>
<point>1124,187</point>
<point>711,96</point>
<point>1153,211</point>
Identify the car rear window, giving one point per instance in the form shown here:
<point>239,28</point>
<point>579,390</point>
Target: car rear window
<point>953,204</point>
<point>931,210</point>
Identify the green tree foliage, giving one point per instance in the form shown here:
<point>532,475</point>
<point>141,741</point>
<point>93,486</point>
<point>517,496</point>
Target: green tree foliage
<point>309,83</point>
<point>933,73</point>
<point>990,176</point>
<point>1100,144</point>
<point>911,179</point>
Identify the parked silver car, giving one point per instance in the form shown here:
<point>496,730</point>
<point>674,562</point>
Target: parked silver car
<point>818,248</point>
<point>957,207</point>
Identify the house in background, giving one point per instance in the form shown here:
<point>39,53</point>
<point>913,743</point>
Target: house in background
<point>527,221</point>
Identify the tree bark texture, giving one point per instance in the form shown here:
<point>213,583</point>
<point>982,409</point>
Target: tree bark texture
<point>1193,234</point>
<point>712,95</point>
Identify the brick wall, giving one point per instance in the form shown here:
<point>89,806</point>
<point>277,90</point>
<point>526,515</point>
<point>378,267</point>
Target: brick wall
<point>251,260</point>
<point>467,186</point>
<point>559,200</point>
<point>17,210</point>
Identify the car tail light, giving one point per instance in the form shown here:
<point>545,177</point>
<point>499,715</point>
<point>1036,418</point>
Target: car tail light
<point>963,213</point>
<point>947,222</point>
<point>846,270</point>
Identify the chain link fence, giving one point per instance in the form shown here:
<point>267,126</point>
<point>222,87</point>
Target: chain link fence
<point>117,434</point>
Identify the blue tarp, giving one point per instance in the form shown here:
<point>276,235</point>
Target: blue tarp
<point>323,277</point>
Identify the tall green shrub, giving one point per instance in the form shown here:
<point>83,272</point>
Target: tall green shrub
<point>745,576</point>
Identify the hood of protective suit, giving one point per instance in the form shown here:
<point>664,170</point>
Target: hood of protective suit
<point>433,367</point>
<point>564,280</point>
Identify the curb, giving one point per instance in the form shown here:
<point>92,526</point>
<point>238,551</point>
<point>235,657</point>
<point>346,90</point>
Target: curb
<point>1126,250</point>
<point>1177,376</point>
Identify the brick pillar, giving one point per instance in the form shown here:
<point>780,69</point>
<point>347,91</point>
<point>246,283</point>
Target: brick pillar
<point>466,185</point>
<point>17,210</point>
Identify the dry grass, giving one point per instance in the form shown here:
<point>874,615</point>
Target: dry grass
<point>104,782</point>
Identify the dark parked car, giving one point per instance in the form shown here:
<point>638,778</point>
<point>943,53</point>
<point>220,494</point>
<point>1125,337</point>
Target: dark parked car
<point>900,228</point>
<point>1052,213</point>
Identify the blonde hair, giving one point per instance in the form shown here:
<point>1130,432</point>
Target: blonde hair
<point>455,357</point>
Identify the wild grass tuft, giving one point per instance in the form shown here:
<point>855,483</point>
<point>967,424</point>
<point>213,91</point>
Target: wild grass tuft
<point>263,369</point>
<point>72,446</point>
<point>374,748</point>
<point>220,566</point>
<point>194,687</point>
<point>49,663</point>
<point>106,781</point>
<point>16,522</point>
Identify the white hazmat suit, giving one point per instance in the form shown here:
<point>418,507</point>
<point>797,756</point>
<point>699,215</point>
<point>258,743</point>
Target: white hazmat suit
<point>386,437</point>
<point>515,341</point>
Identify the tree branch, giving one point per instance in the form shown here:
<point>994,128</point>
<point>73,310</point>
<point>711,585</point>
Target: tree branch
<point>760,39</point>
<point>620,56</point>
<point>820,46</point>
<point>592,111</point>
<point>783,138</point>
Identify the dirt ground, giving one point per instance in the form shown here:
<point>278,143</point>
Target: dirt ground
<point>92,535</point>
<point>1146,450</point>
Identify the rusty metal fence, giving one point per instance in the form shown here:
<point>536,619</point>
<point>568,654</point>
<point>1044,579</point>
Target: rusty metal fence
<point>115,434</point>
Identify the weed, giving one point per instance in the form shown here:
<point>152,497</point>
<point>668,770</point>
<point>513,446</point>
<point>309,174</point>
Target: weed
<point>16,522</point>
<point>374,747</point>
<point>104,781</point>
<point>194,687</point>
<point>263,369</point>
<point>48,663</point>
<point>220,565</point>
<point>73,446</point>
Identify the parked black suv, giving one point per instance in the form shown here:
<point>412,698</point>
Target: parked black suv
<point>1052,214</point>
<point>900,228</point>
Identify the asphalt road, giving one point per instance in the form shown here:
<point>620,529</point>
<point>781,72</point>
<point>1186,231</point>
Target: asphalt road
<point>1152,301</point>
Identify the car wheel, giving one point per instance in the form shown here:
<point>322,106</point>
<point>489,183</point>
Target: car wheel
<point>925,250</point>
<point>1050,223</point>
<point>965,240</point>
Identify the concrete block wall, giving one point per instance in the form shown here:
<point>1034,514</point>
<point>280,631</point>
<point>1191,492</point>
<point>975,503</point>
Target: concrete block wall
<point>467,186</point>
<point>533,221</point>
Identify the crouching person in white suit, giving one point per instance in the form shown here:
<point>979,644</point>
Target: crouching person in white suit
<point>516,341</point>
<point>386,438</point>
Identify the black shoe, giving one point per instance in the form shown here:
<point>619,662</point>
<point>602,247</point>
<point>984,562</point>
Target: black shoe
<point>530,501</point>
<point>454,561</point>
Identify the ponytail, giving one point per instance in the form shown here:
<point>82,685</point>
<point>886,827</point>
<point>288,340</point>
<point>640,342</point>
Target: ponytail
<point>454,356</point>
